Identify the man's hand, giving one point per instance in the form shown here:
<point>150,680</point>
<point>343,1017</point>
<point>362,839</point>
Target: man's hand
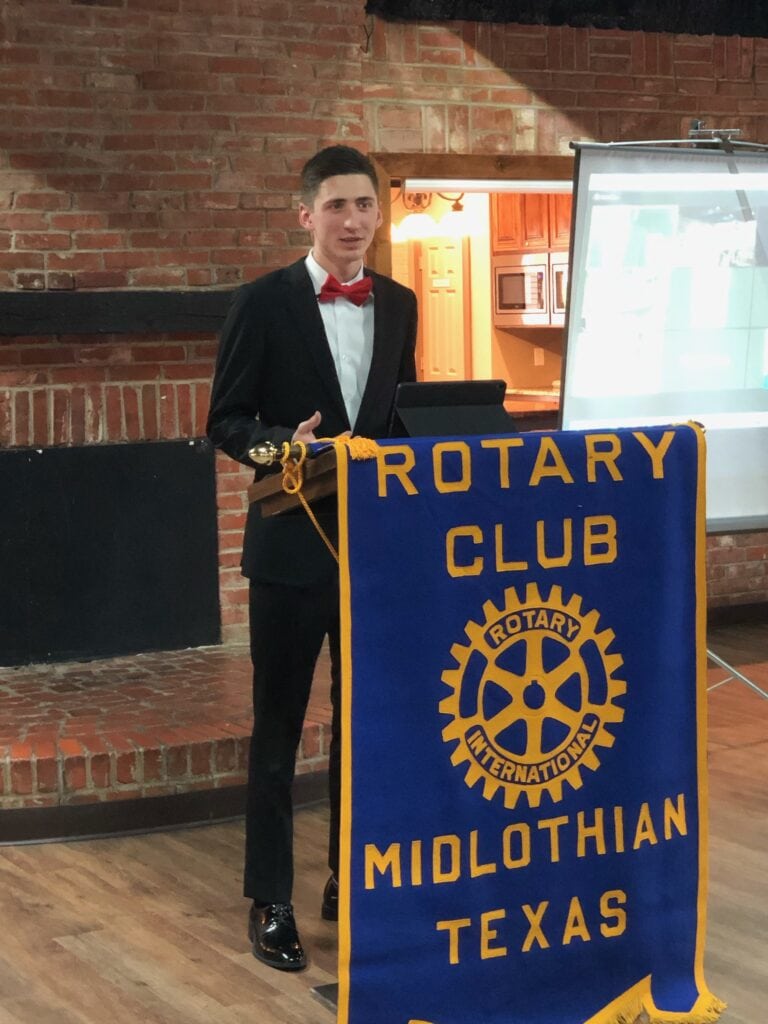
<point>306,430</point>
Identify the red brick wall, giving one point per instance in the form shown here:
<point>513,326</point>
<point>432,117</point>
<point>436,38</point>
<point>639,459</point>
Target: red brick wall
<point>737,569</point>
<point>488,88</point>
<point>155,144</point>
<point>86,389</point>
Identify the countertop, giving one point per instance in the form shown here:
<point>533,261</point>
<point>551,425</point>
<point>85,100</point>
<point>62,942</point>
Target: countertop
<point>535,398</point>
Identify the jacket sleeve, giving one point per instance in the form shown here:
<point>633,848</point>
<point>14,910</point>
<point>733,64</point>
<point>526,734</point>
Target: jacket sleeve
<point>233,418</point>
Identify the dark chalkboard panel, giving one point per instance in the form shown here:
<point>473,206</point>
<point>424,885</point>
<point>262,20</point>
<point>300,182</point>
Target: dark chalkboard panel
<point>107,550</point>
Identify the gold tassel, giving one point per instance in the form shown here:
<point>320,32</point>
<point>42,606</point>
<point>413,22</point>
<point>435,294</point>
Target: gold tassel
<point>293,481</point>
<point>293,468</point>
<point>293,472</point>
<point>359,447</point>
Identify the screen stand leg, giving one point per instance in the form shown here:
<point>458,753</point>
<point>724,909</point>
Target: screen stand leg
<point>734,674</point>
<point>328,995</point>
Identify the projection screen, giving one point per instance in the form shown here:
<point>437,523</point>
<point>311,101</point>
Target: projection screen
<point>668,307</point>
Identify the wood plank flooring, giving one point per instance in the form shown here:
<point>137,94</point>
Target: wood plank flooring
<point>737,935</point>
<point>152,928</point>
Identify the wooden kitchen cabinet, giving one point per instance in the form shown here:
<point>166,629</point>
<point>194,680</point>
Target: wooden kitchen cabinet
<point>520,221</point>
<point>506,221</point>
<point>560,205</point>
<point>530,221</point>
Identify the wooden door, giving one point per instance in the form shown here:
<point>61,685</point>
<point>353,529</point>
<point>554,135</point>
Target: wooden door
<point>444,311</point>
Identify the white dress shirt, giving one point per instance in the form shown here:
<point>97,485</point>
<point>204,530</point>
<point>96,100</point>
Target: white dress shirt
<point>349,329</point>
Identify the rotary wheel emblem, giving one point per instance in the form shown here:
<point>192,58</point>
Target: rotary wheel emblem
<point>531,696</point>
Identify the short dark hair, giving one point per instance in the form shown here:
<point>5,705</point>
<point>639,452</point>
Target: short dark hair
<point>329,162</point>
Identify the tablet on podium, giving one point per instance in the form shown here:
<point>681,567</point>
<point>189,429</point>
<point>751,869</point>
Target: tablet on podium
<point>449,409</point>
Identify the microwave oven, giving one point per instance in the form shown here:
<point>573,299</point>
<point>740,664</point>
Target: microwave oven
<point>558,287</point>
<point>521,290</point>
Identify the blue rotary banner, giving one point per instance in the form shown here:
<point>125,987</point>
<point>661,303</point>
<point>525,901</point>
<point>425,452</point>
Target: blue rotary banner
<point>524,783</point>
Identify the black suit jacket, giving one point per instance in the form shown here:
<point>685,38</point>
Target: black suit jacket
<point>274,369</point>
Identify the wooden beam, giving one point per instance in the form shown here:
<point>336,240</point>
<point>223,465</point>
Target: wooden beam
<point>462,165</point>
<point>112,312</point>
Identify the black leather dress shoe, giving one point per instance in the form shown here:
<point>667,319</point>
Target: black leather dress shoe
<point>330,908</point>
<point>274,937</point>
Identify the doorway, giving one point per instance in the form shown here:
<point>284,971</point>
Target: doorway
<point>450,268</point>
<point>439,248</point>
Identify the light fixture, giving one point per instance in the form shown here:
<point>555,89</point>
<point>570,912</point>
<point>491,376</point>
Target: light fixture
<point>415,201</point>
<point>413,227</point>
<point>417,223</point>
<point>455,223</point>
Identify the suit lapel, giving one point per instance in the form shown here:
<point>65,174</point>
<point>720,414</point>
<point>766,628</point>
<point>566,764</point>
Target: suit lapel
<point>301,303</point>
<point>384,352</point>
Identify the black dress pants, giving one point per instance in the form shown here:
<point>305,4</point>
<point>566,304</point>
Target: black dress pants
<point>288,625</point>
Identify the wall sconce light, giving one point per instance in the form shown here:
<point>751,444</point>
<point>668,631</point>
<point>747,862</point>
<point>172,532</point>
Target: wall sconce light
<point>416,202</point>
<point>418,224</point>
<point>455,223</point>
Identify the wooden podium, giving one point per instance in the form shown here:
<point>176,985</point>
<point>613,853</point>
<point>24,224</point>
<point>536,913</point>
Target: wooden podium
<point>319,482</point>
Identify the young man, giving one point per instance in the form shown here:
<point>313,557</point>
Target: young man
<point>312,350</point>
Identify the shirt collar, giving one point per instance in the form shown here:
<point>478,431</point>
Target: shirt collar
<point>319,275</point>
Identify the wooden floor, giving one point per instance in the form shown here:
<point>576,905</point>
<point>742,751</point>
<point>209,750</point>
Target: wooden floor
<point>737,937</point>
<point>152,928</point>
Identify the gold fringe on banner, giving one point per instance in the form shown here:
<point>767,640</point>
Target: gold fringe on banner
<point>631,1016</point>
<point>706,1010</point>
<point>636,1006</point>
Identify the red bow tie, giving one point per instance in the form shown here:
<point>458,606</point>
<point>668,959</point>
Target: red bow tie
<point>357,292</point>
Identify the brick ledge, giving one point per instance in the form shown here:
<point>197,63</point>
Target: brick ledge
<point>138,816</point>
<point>147,727</point>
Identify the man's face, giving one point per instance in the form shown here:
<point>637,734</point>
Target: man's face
<point>342,220</point>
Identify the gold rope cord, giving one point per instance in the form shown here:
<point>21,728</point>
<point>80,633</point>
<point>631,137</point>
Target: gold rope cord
<point>293,472</point>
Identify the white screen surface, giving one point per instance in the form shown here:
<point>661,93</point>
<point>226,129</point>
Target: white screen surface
<point>668,308</point>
